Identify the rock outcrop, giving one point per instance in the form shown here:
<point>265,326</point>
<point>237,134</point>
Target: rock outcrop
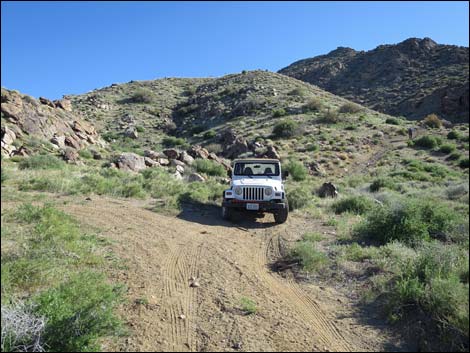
<point>413,78</point>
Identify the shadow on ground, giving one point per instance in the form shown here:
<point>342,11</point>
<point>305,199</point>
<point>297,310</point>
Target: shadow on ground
<point>211,215</point>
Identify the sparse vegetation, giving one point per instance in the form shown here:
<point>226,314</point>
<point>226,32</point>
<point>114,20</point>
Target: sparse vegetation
<point>296,170</point>
<point>350,108</point>
<point>428,141</point>
<point>286,128</point>
<point>248,306</point>
<point>209,167</point>
<point>39,161</point>
<point>353,204</point>
<point>432,121</point>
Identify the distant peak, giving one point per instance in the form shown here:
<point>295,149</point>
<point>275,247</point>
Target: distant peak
<point>418,43</point>
<point>342,51</point>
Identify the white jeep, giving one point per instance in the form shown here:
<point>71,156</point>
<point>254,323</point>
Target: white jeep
<point>257,186</point>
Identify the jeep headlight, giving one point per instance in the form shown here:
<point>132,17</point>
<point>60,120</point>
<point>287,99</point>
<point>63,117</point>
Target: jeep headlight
<point>238,190</point>
<point>268,191</point>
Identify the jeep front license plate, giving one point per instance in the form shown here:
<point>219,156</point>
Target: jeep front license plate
<point>252,206</point>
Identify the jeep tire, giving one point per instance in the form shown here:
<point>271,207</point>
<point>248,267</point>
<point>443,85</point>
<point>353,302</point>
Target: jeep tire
<point>280,216</point>
<point>226,213</point>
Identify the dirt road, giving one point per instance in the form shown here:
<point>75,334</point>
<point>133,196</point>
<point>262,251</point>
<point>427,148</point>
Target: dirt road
<point>230,261</point>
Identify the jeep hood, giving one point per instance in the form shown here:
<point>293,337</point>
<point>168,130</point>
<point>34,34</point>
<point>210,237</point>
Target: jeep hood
<point>259,182</point>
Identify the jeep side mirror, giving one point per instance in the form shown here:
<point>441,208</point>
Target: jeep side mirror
<point>285,174</point>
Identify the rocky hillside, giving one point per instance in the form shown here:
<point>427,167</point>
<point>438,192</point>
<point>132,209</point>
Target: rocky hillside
<point>30,125</point>
<point>414,78</point>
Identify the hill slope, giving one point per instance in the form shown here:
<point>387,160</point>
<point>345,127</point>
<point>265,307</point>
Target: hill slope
<point>413,78</point>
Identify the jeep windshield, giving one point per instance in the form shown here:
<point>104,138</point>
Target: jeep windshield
<point>256,169</point>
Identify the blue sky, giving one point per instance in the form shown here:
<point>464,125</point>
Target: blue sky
<point>55,48</point>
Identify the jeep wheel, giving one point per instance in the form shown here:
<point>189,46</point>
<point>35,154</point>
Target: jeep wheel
<point>281,215</point>
<point>226,213</point>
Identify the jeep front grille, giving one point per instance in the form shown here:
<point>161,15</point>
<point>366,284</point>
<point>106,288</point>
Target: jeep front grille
<point>253,194</point>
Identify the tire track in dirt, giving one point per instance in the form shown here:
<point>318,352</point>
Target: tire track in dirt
<point>328,335</point>
<point>181,299</point>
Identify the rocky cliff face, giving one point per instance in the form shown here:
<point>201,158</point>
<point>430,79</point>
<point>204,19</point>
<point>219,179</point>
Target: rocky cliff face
<point>24,117</point>
<point>413,78</point>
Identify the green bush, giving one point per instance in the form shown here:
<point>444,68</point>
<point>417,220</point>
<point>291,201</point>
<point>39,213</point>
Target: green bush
<point>298,92</point>
<point>393,121</point>
<point>436,280</point>
<point>432,121</point>
<point>296,170</point>
<point>209,167</point>
<point>350,108</point>
<point>279,112</point>
<point>447,148</point>
<point>41,162</point>
<point>382,182</point>
<point>408,221</point>
<point>85,154</point>
<point>353,204</point>
<point>307,254</point>
<point>454,156</point>
<point>78,312</point>
<point>464,163</point>
<point>142,95</point>
<point>286,128</point>
<point>298,197</point>
<point>210,134</point>
<point>313,105</point>
<point>330,117</point>
<point>140,128</point>
<point>428,141</point>
<point>172,141</point>
<point>453,135</point>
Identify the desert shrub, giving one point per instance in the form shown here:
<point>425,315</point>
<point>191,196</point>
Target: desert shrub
<point>381,183</point>
<point>355,252</point>
<point>46,161</point>
<point>279,112</point>
<point>350,108</point>
<point>312,147</point>
<point>330,117</point>
<point>428,141</point>
<point>85,154</point>
<point>306,253</point>
<point>209,167</point>
<point>142,95</point>
<point>210,134</point>
<point>203,193</point>
<point>435,280</point>
<point>140,128</point>
<point>313,105</point>
<point>172,141</point>
<point>298,92</point>
<point>298,197</point>
<point>464,163</point>
<point>393,121</point>
<point>453,135</point>
<point>285,128</point>
<point>214,147</point>
<point>78,312</point>
<point>296,170</point>
<point>248,306</point>
<point>432,121</point>
<point>454,156</point>
<point>408,221</point>
<point>22,330</point>
<point>353,204</point>
<point>447,148</point>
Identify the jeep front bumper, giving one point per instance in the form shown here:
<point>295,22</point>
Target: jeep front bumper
<point>263,205</point>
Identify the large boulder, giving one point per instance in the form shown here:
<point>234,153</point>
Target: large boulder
<point>328,190</point>
<point>130,161</point>
<point>186,158</point>
<point>46,101</point>
<point>238,147</point>
<point>271,153</point>
<point>131,132</point>
<point>149,162</point>
<point>64,104</point>
<point>171,153</point>
<point>153,155</point>
<point>197,151</point>
<point>195,177</point>
<point>70,155</point>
